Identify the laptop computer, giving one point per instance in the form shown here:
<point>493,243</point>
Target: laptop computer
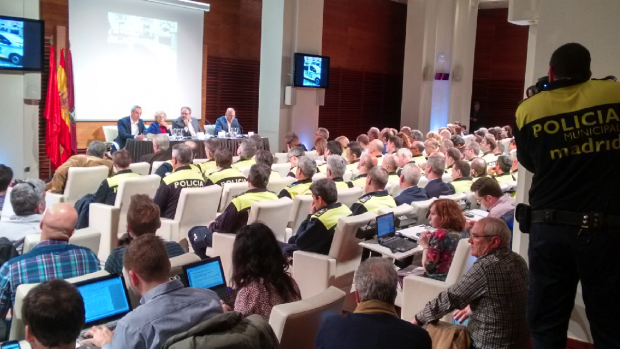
<point>105,301</point>
<point>387,235</point>
<point>208,274</point>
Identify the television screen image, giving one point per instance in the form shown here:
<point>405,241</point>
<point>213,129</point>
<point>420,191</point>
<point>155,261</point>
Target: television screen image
<point>311,71</point>
<point>21,44</point>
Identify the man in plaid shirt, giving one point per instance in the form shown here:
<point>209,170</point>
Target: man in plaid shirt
<point>493,292</point>
<point>52,258</point>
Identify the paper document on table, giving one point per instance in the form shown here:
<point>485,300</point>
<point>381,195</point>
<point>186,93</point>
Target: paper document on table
<point>478,212</point>
<point>414,232</point>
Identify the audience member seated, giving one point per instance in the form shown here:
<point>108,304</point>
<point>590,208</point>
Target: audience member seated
<point>417,135</point>
<point>246,152</point>
<point>333,148</point>
<point>445,134</point>
<point>292,141</point>
<point>320,145</point>
<point>375,322</point>
<point>142,218</point>
<point>316,232</point>
<point>265,157</point>
<point>493,292</point>
<point>260,272</point>
<point>258,141</point>
<point>166,168</point>
<point>471,150</point>
<point>363,166</point>
<point>159,125</point>
<point>490,195</point>
<point>28,201</point>
<point>211,146</point>
<point>488,148</point>
<point>354,153</point>
<point>94,157</point>
<point>321,132</point>
<point>506,132</point>
<point>293,156</point>
<point>403,157</point>
<point>439,246</point>
<point>417,153</point>
<point>410,192</point>
<point>184,176</point>
<point>431,146</point>
<point>226,121</point>
<point>166,307</point>
<point>435,167</point>
<point>406,140</point>
<point>224,173</point>
<point>161,144</point>
<point>236,213</point>
<point>6,176</point>
<point>444,146</point>
<point>373,133</point>
<point>336,167</point>
<point>375,148</point>
<point>514,168</point>
<point>393,144</point>
<point>478,168</point>
<point>106,194</point>
<point>130,127</point>
<point>502,169</point>
<point>344,143</point>
<point>363,141</point>
<point>54,315</point>
<point>306,168</point>
<point>458,141</point>
<point>461,180</point>
<point>52,258</point>
<point>186,123</point>
<point>375,196</point>
<point>453,155</point>
<point>390,164</point>
<point>406,130</point>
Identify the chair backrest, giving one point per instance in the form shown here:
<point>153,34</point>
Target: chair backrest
<point>355,172</point>
<point>280,158</point>
<point>311,154</point>
<point>283,169</point>
<point>229,190</point>
<point>196,206</point>
<point>110,133</point>
<point>447,177</point>
<point>349,196</point>
<point>156,165</point>
<point>128,187</point>
<point>245,171</point>
<point>273,214</point>
<point>301,208</point>
<point>87,237</point>
<point>223,247</point>
<point>199,161</point>
<point>276,185</point>
<point>348,174</point>
<point>454,197</point>
<point>82,181</point>
<point>388,187</point>
<point>177,263</point>
<point>402,209</point>
<point>461,262</point>
<point>394,188</point>
<point>142,168</point>
<point>421,208</point>
<point>423,182</point>
<point>471,197</point>
<point>236,158</point>
<point>318,176</point>
<point>296,324</point>
<point>17,322</point>
<point>506,144</point>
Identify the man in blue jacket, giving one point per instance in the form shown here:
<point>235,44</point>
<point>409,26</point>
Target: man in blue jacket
<point>409,179</point>
<point>130,127</point>
<point>223,123</point>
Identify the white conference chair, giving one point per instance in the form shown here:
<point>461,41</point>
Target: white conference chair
<point>471,197</point>
<point>402,209</point>
<point>229,191</point>
<point>421,208</point>
<point>199,161</point>
<point>80,181</point>
<point>296,324</point>
<point>89,238</point>
<point>312,154</point>
<point>423,182</point>
<point>318,176</point>
<point>355,173</point>
<point>245,171</point>
<point>394,188</point>
<point>447,177</point>
<point>388,187</point>
<point>276,185</point>
<point>142,168</point>
<point>110,133</point>
<point>454,197</point>
<point>282,169</point>
<point>236,158</point>
<point>156,165</point>
<point>280,158</point>
<point>111,221</point>
<point>196,207</point>
<point>272,213</point>
<point>349,196</point>
<point>348,174</point>
<point>300,211</point>
<point>223,247</point>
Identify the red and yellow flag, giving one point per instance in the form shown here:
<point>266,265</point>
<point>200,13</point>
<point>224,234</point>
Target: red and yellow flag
<point>52,114</point>
<point>65,124</point>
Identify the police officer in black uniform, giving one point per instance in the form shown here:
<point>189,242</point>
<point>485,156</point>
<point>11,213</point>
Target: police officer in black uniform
<point>569,137</point>
<point>106,194</point>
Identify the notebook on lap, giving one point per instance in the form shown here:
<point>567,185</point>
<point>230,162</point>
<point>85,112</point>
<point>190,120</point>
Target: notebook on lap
<point>208,274</point>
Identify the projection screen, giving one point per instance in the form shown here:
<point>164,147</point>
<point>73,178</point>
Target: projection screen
<point>135,52</point>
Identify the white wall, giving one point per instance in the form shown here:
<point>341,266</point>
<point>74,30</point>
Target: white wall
<point>18,117</point>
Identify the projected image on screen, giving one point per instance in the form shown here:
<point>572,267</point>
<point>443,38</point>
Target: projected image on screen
<point>11,43</point>
<point>312,71</point>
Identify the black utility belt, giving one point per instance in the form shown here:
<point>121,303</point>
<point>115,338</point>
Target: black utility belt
<point>587,220</point>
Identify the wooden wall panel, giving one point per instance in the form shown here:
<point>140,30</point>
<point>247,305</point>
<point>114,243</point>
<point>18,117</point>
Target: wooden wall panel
<point>499,66</point>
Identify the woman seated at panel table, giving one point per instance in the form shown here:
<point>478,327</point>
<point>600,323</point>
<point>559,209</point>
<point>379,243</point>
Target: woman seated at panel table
<point>159,125</point>
<point>260,275</point>
<point>439,247</point>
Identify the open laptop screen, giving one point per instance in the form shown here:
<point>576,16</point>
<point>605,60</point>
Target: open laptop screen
<point>385,225</point>
<point>104,298</point>
<point>206,274</point>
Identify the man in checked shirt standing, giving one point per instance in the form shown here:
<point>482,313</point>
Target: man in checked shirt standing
<point>493,292</point>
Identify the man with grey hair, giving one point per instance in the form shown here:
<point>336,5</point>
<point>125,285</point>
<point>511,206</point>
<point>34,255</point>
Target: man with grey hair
<point>375,148</point>
<point>410,192</point>
<point>376,196</point>
<point>246,152</point>
<point>183,176</point>
<point>322,132</point>
<point>28,203</point>
<point>471,150</point>
<point>458,141</point>
<point>161,144</point>
<point>130,127</point>
<point>293,156</point>
<point>435,167</point>
<point>306,168</point>
<point>501,171</point>
<point>366,163</point>
<point>94,157</point>
<point>417,135</point>
<point>316,232</point>
<point>495,300</point>
<point>336,167</point>
<point>431,146</point>
<point>403,157</point>
<point>374,323</point>
<point>488,147</point>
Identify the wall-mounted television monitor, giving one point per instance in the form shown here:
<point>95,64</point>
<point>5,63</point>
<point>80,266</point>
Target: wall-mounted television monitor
<point>311,71</point>
<point>21,43</point>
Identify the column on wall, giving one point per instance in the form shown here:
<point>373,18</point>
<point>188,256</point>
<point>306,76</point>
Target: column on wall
<point>288,27</point>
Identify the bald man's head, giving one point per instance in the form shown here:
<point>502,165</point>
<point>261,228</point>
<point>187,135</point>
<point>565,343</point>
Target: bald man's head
<point>366,163</point>
<point>478,167</point>
<point>58,222</point>
<point>375,148</point>
<point>230,114</point>
<point>390,163</point>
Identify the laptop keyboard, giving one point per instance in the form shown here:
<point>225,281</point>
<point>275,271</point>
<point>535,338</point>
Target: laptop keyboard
<point>110,325</point>
<point>399,244</point>
<point>227,295</point>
